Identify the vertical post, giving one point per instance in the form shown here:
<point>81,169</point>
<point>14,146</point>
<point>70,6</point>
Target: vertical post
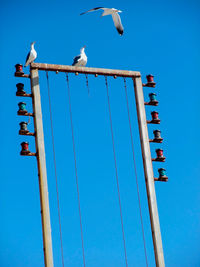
<point>148,171</point>
<point>42,173</point>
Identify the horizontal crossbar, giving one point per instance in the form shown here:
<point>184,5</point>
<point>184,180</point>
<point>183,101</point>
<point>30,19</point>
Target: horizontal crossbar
<point>85,70</point>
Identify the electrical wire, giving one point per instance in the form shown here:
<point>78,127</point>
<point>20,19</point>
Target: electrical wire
<point>75,164</point>
<point>116,172</point>
<point>135,169</point>
<point>55,168</point>
<point>87,84</point>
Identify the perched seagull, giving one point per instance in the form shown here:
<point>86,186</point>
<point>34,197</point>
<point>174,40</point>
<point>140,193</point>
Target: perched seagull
<point>31,55</point>
<point>115,16</point>
<point>80,60</point>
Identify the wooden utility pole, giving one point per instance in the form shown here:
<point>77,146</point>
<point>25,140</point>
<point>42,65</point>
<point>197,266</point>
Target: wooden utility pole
<point>148,171</point>
<point>42,173</point>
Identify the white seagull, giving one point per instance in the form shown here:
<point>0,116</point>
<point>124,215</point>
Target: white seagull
<point>31,55</point>
<point>115,16</point>
<point>80,60</point>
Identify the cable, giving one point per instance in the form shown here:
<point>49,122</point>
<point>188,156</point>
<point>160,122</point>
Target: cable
<point>73,141</point>
<point>136,176</point>
<point>114,153</point>
<point>87,84</point>
<point>55,168</point>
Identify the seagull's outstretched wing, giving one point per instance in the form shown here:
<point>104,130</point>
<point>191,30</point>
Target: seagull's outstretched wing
<point>76,60</point>
<point>118,23</point>
<point>93,9</point>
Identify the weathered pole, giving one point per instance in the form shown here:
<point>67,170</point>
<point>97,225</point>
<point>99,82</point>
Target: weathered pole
<point>42,173</point>
<point>148,171</point>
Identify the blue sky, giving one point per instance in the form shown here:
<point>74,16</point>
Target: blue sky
<point>160,37</point>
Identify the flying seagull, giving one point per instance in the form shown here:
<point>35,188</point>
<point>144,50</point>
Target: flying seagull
<point>115,16</point>
<point>80,60</point>
<point>31,55</point>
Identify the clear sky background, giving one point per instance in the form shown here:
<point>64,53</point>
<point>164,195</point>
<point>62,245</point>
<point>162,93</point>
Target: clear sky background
<point>160,37</point>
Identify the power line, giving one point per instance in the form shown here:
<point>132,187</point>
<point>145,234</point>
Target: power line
<point>75,164</point>
<point>116,172</point>
<point>55,168</point>
<point>136,176</point>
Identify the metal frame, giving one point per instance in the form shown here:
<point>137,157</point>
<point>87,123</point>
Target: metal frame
<point>144,139</point>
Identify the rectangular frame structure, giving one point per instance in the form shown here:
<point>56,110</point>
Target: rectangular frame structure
<point>144,139</point>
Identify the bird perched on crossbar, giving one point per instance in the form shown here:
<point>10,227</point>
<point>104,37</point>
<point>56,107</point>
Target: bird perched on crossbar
<point>115,16</point>
<point>80,60</point>
<point>31,55</point>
